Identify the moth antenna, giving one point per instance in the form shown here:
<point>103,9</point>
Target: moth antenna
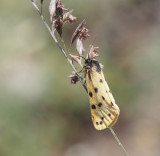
<point>82,57</point>
<point>94,40</point>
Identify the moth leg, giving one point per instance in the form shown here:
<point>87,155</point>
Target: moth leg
<point>85,87</point>
<point>84,82</point>
<point>82,70</point>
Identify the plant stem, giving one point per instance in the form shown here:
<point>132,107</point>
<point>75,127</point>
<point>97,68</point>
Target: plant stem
<point>73,67</point>
<point>118,141</point>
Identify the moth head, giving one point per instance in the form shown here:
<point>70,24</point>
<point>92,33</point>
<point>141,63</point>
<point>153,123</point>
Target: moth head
<point>93,64</point>
<point>88,62</point>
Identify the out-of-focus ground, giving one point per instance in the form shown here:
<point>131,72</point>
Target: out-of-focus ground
<point>42,114</point>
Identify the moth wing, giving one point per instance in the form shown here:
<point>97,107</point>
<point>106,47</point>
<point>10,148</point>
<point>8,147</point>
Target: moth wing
<point>104,110</point>
<point>96,116</point>
<point>106,105</point>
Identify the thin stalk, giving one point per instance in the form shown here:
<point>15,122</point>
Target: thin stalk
<point>73,67</point>
<point>118,141</point>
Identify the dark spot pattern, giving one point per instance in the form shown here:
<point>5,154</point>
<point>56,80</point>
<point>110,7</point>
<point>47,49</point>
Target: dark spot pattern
<point>103,98</point>
<point>97,123</point>
<point>90,94</point>
<point>93,107</point>
<point>109,114</point>
<point>96,90</point>
<point>101,81</point>
<point>102,118</point>
<point>101,122</point>
<point>100,104</point>
<point>111,103</point>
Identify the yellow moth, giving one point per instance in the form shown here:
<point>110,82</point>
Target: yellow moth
<point>104,110</point>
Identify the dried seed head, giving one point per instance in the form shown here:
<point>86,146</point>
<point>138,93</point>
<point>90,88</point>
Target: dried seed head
<point>77,31</point>
<point>74,78</point>
<point>93,52</point>
<point>71,19</point>
<point>83,33</point>
<point>66,15</point>
<point>79,47</point>
<point>52,8</point>
<point>58,25</point>
<point>75,58</point>
<point>56,14</point>
<point>59,9</point>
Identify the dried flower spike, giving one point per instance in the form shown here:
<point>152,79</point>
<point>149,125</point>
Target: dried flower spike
<point>56,14</point>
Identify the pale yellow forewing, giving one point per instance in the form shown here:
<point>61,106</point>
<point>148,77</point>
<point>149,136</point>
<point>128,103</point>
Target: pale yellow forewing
<point>104,110</point>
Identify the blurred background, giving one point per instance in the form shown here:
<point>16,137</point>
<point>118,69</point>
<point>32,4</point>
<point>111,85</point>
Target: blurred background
<point>42,114</point>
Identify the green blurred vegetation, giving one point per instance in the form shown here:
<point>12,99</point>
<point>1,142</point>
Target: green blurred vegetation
<point>42,114</point>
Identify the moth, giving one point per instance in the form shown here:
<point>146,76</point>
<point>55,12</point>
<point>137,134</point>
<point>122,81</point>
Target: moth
<point>104,110</point>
